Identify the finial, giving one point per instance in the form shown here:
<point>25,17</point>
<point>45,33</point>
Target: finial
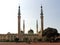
<point>41,6</point>
<point>19,11</point>
<point>41,10</point>
<point>19,6</point>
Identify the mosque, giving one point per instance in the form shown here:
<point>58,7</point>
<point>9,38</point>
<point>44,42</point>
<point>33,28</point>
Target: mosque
<point>21,34</point>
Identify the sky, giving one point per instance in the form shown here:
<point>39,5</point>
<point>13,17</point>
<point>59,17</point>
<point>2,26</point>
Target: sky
<point>30,12</point>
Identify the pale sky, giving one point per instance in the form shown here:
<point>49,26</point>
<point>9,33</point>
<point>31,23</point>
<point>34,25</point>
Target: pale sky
<point>30,12</point>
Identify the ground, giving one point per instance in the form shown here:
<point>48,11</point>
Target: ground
<point>36,43</point>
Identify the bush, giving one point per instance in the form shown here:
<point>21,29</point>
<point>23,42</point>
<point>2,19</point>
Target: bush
<point>39,39</point>
<point>16,39</point>
<point>45,39</point>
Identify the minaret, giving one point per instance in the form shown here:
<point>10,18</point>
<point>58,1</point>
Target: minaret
<point>37,26</point>
<point>41,21</point>
<point>24,26</point>
<point>19,20</point>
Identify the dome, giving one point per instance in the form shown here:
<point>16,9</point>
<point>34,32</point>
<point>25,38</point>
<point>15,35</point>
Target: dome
<point>8,33</point>
<point>30,31</point>
<point>22,32</point>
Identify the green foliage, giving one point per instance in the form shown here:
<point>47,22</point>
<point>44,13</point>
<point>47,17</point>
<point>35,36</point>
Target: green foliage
<point>49,34</point>
<point>46,39</point>
<point>39,40</point>
<point>35,39</point>
<point>16,39</point>
<point>25,39</point>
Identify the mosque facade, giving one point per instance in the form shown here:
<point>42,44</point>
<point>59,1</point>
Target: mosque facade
<point>21,34</point>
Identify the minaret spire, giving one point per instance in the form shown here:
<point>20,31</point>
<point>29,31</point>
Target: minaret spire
<point>37,26</point>
<point>24,26</point>
<point>19,21</point>
<point>41,20</point>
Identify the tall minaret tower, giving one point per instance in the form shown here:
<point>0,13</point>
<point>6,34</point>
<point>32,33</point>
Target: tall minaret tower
<point>37,26</point>
<point>19,21</point>
<point>41,21</point>
<point>24,26</point>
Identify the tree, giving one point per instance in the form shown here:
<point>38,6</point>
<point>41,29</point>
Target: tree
<point>50,33</point>
<point>16,39</point>
<point>25,39</point>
